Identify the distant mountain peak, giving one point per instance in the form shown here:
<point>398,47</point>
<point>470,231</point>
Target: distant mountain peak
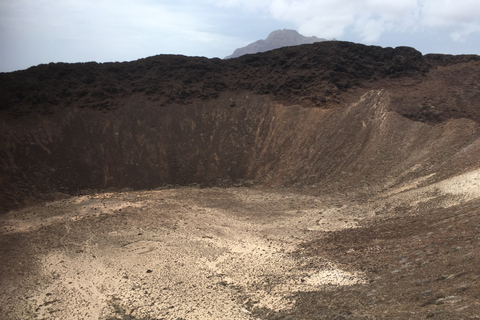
<point>276,39</point>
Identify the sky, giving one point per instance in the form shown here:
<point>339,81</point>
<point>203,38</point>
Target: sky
<point>34,32</point>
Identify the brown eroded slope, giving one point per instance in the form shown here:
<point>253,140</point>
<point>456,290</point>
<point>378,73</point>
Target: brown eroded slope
<point>294,116</point>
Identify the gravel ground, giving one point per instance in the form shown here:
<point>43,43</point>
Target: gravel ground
<point>246,253</point>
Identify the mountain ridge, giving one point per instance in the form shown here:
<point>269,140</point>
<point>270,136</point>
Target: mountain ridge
<point>275,40</point>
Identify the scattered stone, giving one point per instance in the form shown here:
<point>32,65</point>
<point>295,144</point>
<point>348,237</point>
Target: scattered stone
<point>433,314</point>
<point>441,278</point>
<point>419,282</point>
<point>463,288</point>
<point>449,299</point>
<point>245,311</point>
<point>428,302</point>
<point>462,308</point>
<point>149,271</point>
<point>426,293</point>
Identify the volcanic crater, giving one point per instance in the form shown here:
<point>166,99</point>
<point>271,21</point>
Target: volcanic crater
<point>325,181</point>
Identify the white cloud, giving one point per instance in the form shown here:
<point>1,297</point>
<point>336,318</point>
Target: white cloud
<point>250,5</point>
<point>325,18</point>
<point>462,34</point>
<point>104,30</point>
<point>447,12</point>
<point>392,9</point>
<point>371,18</point>
<point>461,15</point>
<point>369,30</point>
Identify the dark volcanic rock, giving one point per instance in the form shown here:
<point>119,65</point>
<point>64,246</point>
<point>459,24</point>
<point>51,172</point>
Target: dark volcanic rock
<point>316,74</point>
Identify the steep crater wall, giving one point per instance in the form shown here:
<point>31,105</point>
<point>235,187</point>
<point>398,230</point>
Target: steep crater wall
<point>332,116</point>
<point>236,139</point>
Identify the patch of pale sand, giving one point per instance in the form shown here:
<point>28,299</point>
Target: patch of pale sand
<point>73,209</point>
<point>212,265</point>
<point>335,277</point>
<point>466,185</point>
<point>260,269</point>
<point>446,193</point>
<point>411,185</point>
<point>260,262</point>
<point>271,275</point>
<point>142,279</point>
<point>96,205</point>
<point>333,218</point>
<point>170,280</point>
<point>252,195</point>
<point>72,288</point>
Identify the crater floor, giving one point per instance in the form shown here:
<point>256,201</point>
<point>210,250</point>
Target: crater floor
<point>245,253</point>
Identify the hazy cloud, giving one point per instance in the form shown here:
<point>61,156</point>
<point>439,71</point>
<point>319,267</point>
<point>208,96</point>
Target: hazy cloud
<point>462,15</point>
<point>104,30</point>
<point>370,18</point>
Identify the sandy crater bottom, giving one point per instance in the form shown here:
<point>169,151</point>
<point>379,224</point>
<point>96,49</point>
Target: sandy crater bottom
<point>242,253</point>
<point>185,253</point>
